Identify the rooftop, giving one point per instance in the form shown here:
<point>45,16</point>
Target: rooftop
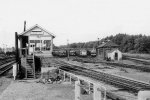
<point>39,27</point>
<point>108,44</point>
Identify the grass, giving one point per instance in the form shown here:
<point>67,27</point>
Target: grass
<point>140,56</point>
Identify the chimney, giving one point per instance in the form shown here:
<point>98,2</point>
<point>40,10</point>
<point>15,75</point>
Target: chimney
<point>98,42</point>
<point>24,26</point>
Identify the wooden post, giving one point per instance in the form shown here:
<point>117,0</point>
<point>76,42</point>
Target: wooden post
<point>51,48</point>
<point>33,63</point>
<point>64,76</point>
<point>89,92</point>
<point>17,52</point>
<point>144,95</point>
<point>21,47</point>
<point>16,46</point>
<point>77,90</point>
<point>26,61</point>
<point>40,44</point>
<point>15,70</point>
<point>26,53</point>
<point>68,50</point>
<point>28,48</point>
<point>70,79</point>
<point>97,93</point>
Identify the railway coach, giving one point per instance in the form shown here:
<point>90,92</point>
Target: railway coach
<point>59,53</point>
<point>55,52</point>
<point>72,53</point>
<point>82,53</point>
<point>62,53</point>
<point>93,53</point>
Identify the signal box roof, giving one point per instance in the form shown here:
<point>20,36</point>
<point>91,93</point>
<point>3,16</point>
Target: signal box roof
<point>37,28</point>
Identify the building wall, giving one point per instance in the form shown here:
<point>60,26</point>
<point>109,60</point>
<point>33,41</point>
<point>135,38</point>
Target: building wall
<point>102,52</point>
<point>105,53</point>
<point>39,40</point>
<point>112,54</point>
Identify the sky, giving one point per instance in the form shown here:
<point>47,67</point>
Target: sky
<point>74,20</point>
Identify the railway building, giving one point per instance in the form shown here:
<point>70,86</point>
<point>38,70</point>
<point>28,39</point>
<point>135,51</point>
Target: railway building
<point>109,50</point>
<point>36,39</point>
<point>35,42</point>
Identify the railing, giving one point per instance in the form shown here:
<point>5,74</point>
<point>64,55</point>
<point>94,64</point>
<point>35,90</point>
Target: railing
<point>25,65</point>
<point>33,62</point>
<point>98,89</point>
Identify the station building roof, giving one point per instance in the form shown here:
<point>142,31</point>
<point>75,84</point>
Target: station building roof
<point>39,27</point>
<point>108,44</point>
<point>110,51</point>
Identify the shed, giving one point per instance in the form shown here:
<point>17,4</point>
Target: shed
<point>108,48</point>
<point>114,54</point>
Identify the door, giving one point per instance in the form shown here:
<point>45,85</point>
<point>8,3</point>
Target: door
<point>116,56</point>
<point>31,48</point>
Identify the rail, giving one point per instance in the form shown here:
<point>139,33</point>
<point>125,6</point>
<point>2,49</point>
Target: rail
<point>121,82</point>
<point>5,67</point>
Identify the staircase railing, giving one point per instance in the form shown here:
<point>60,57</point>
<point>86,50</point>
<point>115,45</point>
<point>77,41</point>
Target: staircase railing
<point>28,58</point>
<point>33,62</point>
<point>26,61</point>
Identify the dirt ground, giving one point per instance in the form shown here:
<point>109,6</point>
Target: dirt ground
<point>31,90</point>
<point>5,80</point>
<point>4,83</point>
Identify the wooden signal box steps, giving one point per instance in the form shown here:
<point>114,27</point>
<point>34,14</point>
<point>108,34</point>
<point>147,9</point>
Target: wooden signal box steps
<point>30,67</point>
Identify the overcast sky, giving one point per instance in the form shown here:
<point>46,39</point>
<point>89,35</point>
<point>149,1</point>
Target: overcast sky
<point>76,20</point>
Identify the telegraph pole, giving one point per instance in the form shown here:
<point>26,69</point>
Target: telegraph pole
<point>16,46</point>
<point>68,49</point>
<point>24,26</point>
<point>97,46</point>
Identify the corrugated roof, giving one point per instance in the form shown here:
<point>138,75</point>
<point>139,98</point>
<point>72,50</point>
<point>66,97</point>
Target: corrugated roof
<point>108,44</point>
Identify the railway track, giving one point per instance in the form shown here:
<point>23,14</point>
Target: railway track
<point>136,56</point>
<point>6,60</point>
<point>138,60</point>
<point>90,60</point>
<point>120,82</point>
<point>6,65</point>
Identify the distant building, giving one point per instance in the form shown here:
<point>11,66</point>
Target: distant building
<point>109,50</point>
<point>37,40</point>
